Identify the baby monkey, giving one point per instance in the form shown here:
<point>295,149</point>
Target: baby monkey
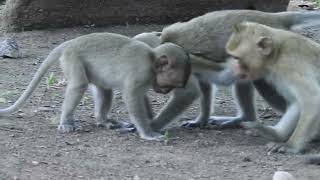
<point>291,63</point>
<point>108,61</point>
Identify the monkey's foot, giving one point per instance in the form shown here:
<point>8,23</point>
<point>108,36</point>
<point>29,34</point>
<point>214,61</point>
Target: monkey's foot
<point>153,136</point>
<point>273,147</point>
<point>194,124</point>
<point>226,122</point>
<point>66,128</point>
<point>123,126</point>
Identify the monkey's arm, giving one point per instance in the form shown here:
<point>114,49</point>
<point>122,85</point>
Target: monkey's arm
<point>280,132</point>
<point>180,100</point>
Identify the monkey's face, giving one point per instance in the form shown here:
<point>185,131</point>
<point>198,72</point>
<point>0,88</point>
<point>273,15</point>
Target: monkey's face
<point>171,73</point>
<point>251,50</point>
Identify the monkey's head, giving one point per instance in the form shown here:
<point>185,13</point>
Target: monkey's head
<point>253,49</point>
<point>171,66</point>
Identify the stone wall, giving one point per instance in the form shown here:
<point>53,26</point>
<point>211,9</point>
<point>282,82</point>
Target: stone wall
<point>35,14</point>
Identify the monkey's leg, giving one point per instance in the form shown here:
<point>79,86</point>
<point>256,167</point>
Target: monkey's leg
<point>281,131</point>
<point>134,98</point>
<point>102,105</point>
<point>307,127</point>
<point>205,107</point>
<point>148,106</point>
<point>214,90</point>
<point>244,97</point>
<point>75,89</point>
<point>180,99</point>
<point>129,127</point>
<point>269,94</point>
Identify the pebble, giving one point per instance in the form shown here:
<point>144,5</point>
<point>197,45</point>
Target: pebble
<point>9,49</point>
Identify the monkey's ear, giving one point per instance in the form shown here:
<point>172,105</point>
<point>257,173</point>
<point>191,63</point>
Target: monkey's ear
<point>163,63</point>
<point>265,45</point>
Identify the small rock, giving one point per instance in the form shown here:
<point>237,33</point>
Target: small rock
<point>251,133</point>
<point>58,155</point>
<point>35,163</point>
<point>246,159</point>
<point>118,112</point>
<point>44,109</point>
<point>248,132</point>
<point>9,49</point>
<point>136,177</point>
<point>282,175</point>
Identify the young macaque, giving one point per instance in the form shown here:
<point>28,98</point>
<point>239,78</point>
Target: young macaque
<point>109,61</point>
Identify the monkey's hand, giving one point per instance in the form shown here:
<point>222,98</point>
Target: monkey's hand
<point>69,126</point>
<point>111,124</point>
<point>224,122</point>
<point>273,147</point>
<point>194,124</point>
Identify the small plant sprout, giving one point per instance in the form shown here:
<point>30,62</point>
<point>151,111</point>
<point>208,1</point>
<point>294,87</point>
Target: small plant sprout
<point>50,80</point>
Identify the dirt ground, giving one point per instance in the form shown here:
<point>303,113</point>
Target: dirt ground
<point>31,148</point>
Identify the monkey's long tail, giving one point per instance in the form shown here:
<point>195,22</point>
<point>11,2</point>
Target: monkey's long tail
<point>313,159</point>
<point>47,63</point>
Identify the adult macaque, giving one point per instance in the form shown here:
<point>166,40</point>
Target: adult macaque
<point>290,63</point>
<point>108,61</point>
<point>205,37</point>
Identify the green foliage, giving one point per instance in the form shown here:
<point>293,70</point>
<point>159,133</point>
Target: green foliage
<point>317,2</point>
<point>166,135</point>
<point>51,80</point>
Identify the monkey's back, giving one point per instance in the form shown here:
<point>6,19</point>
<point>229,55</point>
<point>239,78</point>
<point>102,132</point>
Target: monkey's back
<point>207,35</point>
<point>109,58</point>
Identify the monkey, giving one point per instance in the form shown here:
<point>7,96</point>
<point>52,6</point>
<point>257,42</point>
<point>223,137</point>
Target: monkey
<point>290,63</point>
<point>153,40</point>
<point>205,37</point>
<point>107,61</point>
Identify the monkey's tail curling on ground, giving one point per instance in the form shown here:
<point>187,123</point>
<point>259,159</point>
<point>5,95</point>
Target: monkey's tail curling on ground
<point>313,159</point>
<point>47,63</point>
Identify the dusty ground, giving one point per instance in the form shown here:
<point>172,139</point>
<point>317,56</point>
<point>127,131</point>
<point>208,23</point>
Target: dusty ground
<point>31,148</point>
